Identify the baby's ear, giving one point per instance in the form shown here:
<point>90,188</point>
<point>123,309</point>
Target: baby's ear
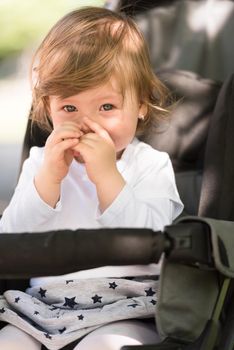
<point>143,109</point>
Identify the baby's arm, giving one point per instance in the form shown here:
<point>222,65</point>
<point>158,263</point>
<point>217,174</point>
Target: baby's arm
<point>57,159</point>
<point>32,207</point>
<point>99,154</point>
<point>149,198</point>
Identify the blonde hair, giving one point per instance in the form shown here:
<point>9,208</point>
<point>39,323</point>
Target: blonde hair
<point>83,50</point>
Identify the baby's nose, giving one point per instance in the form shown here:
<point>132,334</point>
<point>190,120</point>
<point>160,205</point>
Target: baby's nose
<point>82,125</point>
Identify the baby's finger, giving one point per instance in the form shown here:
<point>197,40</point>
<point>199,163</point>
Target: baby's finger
<point>83,150</point>
<point>67,127</point>
<point>85,128</point>
<point>65,145</point>
<point>63,134</point>
<point>87,140</point>
<point>97,129</point>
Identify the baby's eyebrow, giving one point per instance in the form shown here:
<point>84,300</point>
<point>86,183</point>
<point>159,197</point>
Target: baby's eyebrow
<point>109,97</point>
<point>105,97</point>
<point>63,99</point>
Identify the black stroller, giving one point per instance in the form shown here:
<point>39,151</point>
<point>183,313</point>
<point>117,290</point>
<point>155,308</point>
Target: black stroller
<point>195,308</point>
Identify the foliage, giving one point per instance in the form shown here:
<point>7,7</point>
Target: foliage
<point>25,22</point>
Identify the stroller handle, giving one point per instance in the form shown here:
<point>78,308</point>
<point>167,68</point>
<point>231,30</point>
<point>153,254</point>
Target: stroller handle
<point>24,255</point>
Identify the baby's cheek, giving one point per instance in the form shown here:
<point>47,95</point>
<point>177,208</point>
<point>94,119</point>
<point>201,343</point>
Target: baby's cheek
<point>120,131</point>
<point>121,142</point>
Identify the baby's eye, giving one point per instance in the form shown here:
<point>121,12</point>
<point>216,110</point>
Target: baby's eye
<point>107,107</point>
<point>70,108</point>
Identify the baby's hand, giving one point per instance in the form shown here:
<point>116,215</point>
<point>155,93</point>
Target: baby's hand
<point>98,152</point>
<point>58,151</point>
<point>57,159</point>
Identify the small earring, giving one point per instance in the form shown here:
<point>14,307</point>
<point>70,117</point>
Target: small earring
<point>141,117</point>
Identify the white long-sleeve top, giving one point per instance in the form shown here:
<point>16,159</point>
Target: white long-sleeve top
<point>149,199</point>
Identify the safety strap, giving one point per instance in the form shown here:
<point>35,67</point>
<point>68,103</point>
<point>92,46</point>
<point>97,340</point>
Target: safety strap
<point>211,338</point>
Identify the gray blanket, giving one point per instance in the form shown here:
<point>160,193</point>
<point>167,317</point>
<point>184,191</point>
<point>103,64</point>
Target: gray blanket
<point>59,313</point>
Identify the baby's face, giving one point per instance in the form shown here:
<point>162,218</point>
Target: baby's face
<point>104,105</point>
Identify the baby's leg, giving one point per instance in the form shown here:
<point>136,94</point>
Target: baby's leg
<point>12,338</point>
<point>117,334</point>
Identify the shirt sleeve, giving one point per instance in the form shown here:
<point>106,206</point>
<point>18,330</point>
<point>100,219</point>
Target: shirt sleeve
<point>26,210</point>
<point>152,201</point>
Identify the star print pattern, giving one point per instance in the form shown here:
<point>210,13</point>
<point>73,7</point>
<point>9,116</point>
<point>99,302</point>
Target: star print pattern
<point>76,305</point>
<point>47,335</point>
<point>70,302</point>
<point>62,330</point>
<point>113,285</point>
<point>96,299</point>
<point>42,292</point>
<point>149,292</point>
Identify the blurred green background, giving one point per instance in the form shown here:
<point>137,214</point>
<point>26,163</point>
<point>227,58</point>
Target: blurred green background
<point>25,22</point>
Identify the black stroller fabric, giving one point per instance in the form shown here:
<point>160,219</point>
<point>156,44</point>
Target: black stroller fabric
<point>184,137</point>
<point>217,195</point>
